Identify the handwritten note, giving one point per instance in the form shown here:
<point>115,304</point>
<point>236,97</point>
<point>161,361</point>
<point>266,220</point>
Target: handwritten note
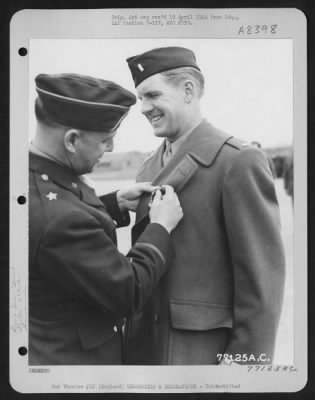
<point>18,303</point>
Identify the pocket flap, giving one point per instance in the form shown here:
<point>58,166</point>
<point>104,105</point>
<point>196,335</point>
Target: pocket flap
<point>96,328</point>
<point>199,316</point>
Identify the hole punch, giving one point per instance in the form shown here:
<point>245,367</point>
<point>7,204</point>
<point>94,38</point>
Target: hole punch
<point>21,199</point>
<point>22,351</point>
<point>22,51</point>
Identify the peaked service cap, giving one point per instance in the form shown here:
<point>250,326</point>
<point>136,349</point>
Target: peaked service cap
<point>159,60</point>
<point>83,102</point>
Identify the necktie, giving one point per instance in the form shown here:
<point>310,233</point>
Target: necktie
<point>167,153</point>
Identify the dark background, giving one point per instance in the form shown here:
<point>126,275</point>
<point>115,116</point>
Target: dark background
<point>7,9</point>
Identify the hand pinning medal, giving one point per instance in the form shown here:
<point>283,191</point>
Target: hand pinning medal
<point>161,189</point>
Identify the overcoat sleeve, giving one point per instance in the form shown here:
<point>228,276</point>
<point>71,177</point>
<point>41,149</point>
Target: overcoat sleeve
<point>78,255</point>
<point>253,227</point>
<point>110,202</point>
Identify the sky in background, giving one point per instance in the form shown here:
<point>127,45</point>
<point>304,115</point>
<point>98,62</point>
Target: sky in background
<point>248,91</point>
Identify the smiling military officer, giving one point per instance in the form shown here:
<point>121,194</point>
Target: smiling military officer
<point>80,287</point>
<point>221,300</point>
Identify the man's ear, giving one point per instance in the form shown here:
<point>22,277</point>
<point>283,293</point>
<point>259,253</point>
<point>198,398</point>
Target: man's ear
<point>71,139</point>
<point>189,90</point>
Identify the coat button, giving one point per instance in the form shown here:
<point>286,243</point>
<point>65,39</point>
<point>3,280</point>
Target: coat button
<point>44,177</point>
<point>115,328</point>
<point>156,317</point>
<point>74,185</point>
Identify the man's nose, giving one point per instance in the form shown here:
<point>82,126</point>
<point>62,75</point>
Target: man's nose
<point>146,106</point>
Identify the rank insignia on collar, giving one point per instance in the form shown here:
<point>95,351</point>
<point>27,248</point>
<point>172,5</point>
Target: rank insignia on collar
<point>51,196</point>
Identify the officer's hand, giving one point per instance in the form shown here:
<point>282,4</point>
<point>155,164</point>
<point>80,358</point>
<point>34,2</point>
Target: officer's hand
<point>128,199</point>
<point>165,209</point>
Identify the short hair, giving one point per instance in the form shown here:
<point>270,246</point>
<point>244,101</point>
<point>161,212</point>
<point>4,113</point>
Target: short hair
<point>177,75</point>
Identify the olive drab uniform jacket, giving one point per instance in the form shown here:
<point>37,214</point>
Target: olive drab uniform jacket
<point>224,291</point>
<point>80,287</point>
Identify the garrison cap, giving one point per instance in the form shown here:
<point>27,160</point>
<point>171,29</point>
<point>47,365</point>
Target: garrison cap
<point>159,60</point>
<point>82,102</point>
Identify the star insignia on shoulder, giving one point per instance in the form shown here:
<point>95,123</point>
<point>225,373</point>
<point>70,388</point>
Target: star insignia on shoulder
<point>51,196</point>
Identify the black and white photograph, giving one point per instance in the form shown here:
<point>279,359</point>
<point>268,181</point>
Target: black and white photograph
<point>162,222</point>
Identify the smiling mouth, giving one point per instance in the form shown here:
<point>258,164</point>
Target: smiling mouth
<point>155,119</point>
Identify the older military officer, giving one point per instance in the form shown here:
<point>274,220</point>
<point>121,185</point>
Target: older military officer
<point>80,287</point>
<point>220,301</point>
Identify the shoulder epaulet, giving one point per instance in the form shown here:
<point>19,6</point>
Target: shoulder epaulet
<point>237,143</point>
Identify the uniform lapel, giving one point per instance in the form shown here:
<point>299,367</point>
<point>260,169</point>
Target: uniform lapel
<point>205,143</point>
<point>176,173</point>
<point>199,149</point>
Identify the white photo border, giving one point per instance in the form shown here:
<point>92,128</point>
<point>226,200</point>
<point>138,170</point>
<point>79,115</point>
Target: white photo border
<point>28,25</point>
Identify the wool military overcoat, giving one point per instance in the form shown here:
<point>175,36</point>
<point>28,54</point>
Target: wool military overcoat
<point>224,290</point>
<point>80,287</point>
